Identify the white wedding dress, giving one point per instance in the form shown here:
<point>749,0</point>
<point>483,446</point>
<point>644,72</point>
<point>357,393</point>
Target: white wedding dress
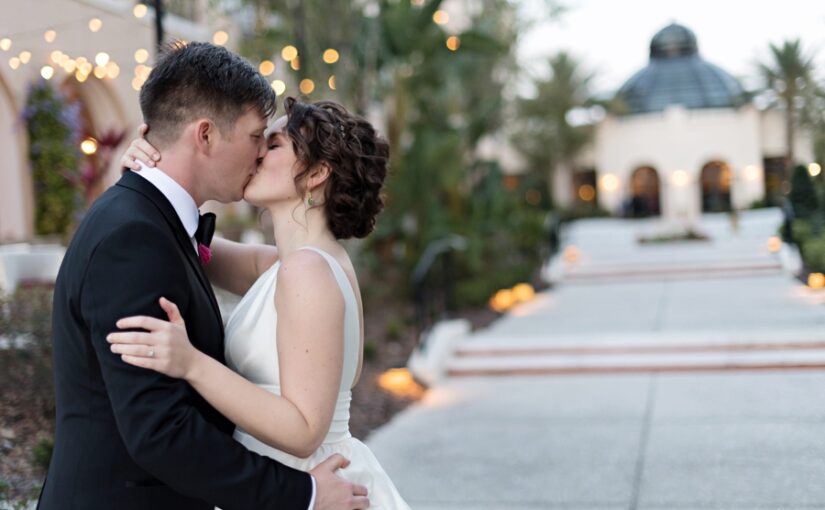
<point>252,352</point>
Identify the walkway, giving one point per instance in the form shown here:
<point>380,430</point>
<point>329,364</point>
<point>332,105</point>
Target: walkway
<point>626,426</point>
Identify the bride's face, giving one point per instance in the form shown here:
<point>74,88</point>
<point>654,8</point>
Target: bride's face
<point>274,180</point>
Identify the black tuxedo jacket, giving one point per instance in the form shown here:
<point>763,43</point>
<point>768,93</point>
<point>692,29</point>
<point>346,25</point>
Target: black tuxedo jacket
<point>130,438</point>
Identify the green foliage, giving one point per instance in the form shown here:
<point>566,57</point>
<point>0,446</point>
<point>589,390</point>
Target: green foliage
<point>42,452</point>
<point>53,128</point>
<point>370,350</point>
<point>803,195</point>
<point>394,329</point>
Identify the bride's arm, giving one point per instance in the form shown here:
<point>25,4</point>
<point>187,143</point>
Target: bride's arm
<point>310,349</point>
<point>236,266</point>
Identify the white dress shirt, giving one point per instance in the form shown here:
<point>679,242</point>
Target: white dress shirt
<point>187,211</point>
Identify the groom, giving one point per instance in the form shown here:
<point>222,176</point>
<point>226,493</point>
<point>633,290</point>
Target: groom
<point>128,438</point>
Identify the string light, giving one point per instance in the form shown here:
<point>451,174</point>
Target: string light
<point>267,67</point>
<point>295,64</point>
<point>279,87</point>
<point>50,36</point>
<point>139,10</point>
<point>95,24</point>
<point>331,82</point>
<point>102,58</point>
<point>331,56</point>
<point>47,72</point>
<point>88,146</point>
<point>306,86</point>
<point>220,38</point>
<point>141,56</point>
<point>289,53</point>
<point>5,44</point>
<point>25,56</point>
<point>14,62</point>
<point>441,17</point>
<point>453,43</point>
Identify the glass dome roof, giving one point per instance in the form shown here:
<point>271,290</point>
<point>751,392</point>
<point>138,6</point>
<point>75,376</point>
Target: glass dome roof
<point>677,74</point>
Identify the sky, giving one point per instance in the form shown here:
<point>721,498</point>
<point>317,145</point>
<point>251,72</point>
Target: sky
<point>612,37</point>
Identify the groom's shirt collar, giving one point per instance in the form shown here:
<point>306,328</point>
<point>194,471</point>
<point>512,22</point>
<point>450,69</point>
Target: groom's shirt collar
<point>181,200</point>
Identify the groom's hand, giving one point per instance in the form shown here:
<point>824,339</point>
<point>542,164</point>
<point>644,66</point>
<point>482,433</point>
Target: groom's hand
<point>333,492</point>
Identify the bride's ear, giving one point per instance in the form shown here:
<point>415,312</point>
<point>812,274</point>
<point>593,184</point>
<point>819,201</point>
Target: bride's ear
<point>319,175</point>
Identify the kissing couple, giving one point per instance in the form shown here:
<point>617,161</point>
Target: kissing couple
<point>158,405</point>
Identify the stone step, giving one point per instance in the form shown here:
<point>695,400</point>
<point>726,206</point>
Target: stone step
<point>653,362</point>
<point>601,273</point>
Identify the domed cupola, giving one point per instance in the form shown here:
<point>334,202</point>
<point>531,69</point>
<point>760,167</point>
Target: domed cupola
<point>676,74</point>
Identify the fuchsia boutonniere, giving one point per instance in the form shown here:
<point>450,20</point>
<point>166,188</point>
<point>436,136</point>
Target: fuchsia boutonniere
<point>205,253</point>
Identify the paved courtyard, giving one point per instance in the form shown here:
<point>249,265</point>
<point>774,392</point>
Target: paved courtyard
<point>682,375</point>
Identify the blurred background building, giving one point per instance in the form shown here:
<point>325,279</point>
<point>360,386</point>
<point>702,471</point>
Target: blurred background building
<point>682,138</point>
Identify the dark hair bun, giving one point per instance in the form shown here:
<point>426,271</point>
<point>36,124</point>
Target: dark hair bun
<point>357,155</point>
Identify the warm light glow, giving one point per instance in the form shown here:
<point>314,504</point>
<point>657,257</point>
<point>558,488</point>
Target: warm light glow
<point>331,82</point>
<point>289,53</point>
<point>680,178</point>
<point>80,75</point>
<point>400,382</point>
<point>267,67</point>
<point>816,280</point>
<point>295,63</point>
<point>571,254</point>
<point>56,56</point>
<point>25,56</point>
<point>814,169</point>
<point>524,292</point>
<point>774,244</point>
<point>5,44</point>
<point>88,146</point>
<point>278,86</point>
<point>141,56</point>
<point>331,56</point>
<point>95,24</point>
<point>140,10</point>
<point>100,72</point>
<point>14,62</point>
<point>50,36</point>
<point>503,300</point>
<point>47,72</point>
<point>220,37</point>
<point>587,192</point>
<point>441,17</point>
<point>86,68</point>
<point>453,42</point>
<point>142,72</point>
<point>137,83</point>
<point>102,59</point>
<point>532,196</point>
<point>69,66</point>
<point>751,172</point>
<point>112,70</point>
<point>306,86</point>
<point>610,182</point>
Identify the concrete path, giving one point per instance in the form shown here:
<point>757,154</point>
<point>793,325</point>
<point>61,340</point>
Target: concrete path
<point>651,438</point>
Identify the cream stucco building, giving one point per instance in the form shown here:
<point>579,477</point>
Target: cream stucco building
<point>689,141</point>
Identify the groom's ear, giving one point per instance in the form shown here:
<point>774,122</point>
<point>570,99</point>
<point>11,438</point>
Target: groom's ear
<point>205,131</point>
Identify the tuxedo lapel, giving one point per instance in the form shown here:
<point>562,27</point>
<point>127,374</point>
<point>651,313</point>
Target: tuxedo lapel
<point>139,184</point>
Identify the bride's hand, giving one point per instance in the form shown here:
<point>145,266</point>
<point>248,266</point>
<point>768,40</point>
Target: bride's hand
<point>164,347</point>
<point>140,150</point>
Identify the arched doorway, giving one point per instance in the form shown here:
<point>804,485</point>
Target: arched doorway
<point>715,186</point>
<point>644,188</point>
<point>16,195</point>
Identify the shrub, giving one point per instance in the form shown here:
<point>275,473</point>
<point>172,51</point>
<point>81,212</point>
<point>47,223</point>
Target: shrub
<point>803,195</point>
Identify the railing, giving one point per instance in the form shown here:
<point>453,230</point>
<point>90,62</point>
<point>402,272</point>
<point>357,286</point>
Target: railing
<point>433,284</point>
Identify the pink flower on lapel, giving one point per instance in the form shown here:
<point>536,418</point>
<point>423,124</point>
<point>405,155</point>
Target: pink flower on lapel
<point>204,253</point>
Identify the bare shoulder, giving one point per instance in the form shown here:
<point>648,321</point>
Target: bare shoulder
<point>306,271</point>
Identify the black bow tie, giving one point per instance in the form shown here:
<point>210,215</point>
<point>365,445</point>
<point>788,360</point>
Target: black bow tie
<point>206,229</point>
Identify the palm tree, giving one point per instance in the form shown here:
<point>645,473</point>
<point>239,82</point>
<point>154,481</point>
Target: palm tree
<point>789,74</point>
<point>545,137</point>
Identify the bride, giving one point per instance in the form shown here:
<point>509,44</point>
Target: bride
<point>294,343</point>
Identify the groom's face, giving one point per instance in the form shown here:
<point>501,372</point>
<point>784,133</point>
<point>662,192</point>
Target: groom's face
<point>236,156</point>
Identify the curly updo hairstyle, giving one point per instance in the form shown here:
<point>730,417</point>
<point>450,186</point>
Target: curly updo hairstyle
<point>325,132</point>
